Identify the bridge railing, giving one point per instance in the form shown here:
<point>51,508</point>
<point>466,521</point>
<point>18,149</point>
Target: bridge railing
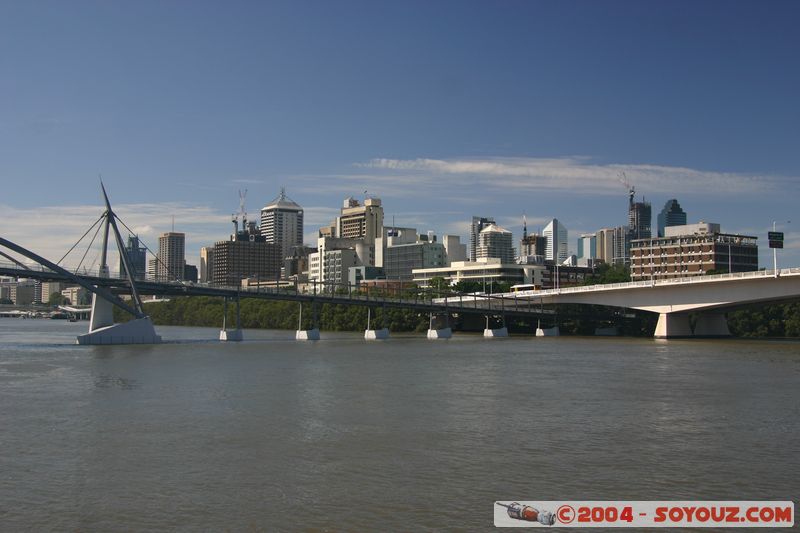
<point>663,282</point>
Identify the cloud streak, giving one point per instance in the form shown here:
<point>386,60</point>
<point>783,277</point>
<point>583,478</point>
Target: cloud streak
<point>572,174</point>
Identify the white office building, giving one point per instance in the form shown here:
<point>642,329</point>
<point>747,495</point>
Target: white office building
<point>282,223</point>
<point>556,235</point>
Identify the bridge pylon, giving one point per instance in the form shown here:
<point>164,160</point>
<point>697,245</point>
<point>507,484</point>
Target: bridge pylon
<point>102,329</point>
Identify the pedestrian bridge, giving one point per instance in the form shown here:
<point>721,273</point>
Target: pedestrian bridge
<point>674,299</point>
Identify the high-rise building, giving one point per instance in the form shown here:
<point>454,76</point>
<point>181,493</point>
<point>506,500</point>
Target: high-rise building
<point>360,221</point>
<point>640,220</point>
<point>478,223</point>
<point>556,235</point>
<point>533,245</point>
<point>246,254</point>
<point>671,215</point>
<point>621,244</point>
<point>604,245</point>
<point>587,246</point>
<point>137,258</point>
<point>206,263</point>
<point>495,242</point>
<point>282,223</point>
<point>171,256</point>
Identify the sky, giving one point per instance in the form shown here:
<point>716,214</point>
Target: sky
<point>443,109</point>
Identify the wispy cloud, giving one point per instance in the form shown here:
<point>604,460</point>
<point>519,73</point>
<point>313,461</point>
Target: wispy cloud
<point>574,174</point>
<point>50,231</point>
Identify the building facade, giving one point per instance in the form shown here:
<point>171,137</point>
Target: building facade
<point>640,219</point>
<point>671,215</point>
<point>478,223</point>
<point>621,244</point>
<point>282,223</point>
<point>692,250</point>
<point>246,254</point>
<point>137,258</point>
<point>336,266</point>
<point>400,260</point>
<point>171,257</point>
<point>495,242</point>
<point>206,264</point>
<point>587,246</point>
<point>454,249</point>
<point>360,221</point>
<point>556,235</point>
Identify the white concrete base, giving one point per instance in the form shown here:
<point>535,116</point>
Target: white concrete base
<point>231,335</point>
<point>307,334</point>
<point>376,334</point>
<point>499,332</point>
<point>138,331</point>
<point>548,332</point>
<point>711,325</point>
<point>444,333</point>
<point>607,332</point>
<point>673,325</point>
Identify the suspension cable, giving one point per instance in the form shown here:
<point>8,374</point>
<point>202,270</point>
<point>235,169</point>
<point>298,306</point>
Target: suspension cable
<point>82,237</point>
<point>89,247</point>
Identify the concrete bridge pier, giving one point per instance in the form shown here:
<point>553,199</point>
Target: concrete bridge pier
<point>231,335</point>
<point>307,334</point>
<point>714,325</point>
<point>492,333</point>
<point>547,332</point>
<point>375,334</point>
<point>672,326</point>
<point>439,333</point>
<point>103,330</point>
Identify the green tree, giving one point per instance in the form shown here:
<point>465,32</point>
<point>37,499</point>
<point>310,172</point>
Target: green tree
<point>606,273</point>
<point>57,299</point>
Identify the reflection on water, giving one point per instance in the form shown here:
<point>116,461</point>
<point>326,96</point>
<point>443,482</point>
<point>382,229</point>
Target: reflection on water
<point>407,434</point>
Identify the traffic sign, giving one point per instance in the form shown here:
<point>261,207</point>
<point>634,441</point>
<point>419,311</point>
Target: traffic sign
<point>776,244</point>
<point>775,236</point>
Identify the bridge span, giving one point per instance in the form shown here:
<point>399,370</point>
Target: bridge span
<point>673,300</point>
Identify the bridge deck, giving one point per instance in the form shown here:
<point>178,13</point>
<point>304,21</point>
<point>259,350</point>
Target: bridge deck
<point>458,303</point>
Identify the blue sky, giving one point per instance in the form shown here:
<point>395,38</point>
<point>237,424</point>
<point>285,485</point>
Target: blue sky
<point>443,109</point>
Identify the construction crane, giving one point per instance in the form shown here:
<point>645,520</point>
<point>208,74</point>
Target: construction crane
<point>242,213</point>
<point>631,189</point>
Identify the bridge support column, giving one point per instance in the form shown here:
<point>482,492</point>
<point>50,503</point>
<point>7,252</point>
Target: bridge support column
<point>439,333</point>
<point>306,334</point>
<point>495,332</point>
<point>547,332</point>
<point>103,330</point>
<point>673,325</point>
<point>231,335</point>
<point>711,325</point>
<point>374,334</point>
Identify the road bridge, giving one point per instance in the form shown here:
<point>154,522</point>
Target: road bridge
<point>707,296</point>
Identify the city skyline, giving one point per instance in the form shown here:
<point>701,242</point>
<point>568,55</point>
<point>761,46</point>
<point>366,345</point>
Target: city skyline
<point>519,109</point>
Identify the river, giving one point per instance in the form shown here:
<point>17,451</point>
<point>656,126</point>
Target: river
<point>406,434</point>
